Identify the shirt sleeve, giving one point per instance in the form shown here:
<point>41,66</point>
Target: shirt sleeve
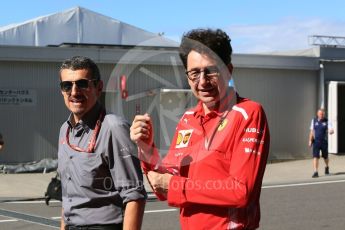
<point>154,162</point>
<point>245,175</point>
<point>312,125</point>
<point>126,172</point>
<point>330,125</point>
<point>151,160</point>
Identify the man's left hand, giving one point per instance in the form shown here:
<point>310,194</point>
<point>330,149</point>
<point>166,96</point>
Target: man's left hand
<point>160,182</point>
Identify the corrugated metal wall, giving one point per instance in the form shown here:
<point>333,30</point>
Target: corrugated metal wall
<point>289,98</point>
<point>30,132</point>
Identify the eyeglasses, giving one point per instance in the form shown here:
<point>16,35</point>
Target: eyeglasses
<point>66,86</point>
<point>209,72</point>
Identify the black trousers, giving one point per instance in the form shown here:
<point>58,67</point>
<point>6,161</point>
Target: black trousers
<point>95,227</point>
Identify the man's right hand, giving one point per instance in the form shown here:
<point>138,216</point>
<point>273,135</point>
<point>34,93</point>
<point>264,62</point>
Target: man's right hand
<point>141,132</point>
<point>310,143</point>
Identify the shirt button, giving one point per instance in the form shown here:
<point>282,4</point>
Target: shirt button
<point>70,200</point>
<point>68,219</point>
<point>69,178</point>
<point>70,157</point>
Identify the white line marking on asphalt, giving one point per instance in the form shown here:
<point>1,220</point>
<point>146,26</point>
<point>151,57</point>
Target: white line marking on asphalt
<point>148,211</point>
<point>10,220</point>
<point>303,184</point>
<point>30,221</point>
<point>161,210</point>
<point>52,201</point>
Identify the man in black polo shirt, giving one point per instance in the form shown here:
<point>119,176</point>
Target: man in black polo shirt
<point>102,184</point>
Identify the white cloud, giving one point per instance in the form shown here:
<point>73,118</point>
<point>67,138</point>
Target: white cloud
<point>287,34</point>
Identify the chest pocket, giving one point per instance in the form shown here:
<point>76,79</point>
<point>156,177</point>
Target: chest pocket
<point>214,162</point>
<point>92,171</point>
<point>211,164</point>
<point>221,145</point>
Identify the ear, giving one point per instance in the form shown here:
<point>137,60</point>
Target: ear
<point>99,87</point>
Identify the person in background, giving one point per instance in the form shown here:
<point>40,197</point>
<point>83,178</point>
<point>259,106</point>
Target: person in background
<point>102,183</point>
<point>214,168</point>
<point>318,139</point>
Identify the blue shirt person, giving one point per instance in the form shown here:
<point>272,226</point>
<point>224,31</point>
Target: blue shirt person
<point>319,128</point>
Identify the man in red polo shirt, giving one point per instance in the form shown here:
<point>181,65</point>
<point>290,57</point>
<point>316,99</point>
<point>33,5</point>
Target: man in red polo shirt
<point>214,168</point>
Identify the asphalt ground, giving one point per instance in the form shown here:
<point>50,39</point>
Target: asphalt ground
<point>36,215</point>
<point>290,199</point>
<point>312,205</point>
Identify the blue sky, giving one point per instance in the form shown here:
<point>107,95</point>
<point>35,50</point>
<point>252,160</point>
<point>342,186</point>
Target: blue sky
<point>254,26</point>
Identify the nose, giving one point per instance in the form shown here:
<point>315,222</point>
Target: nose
<point>203,79</point>
<point>75,89</point>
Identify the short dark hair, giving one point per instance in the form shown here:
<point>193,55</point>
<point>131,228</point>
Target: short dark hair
<point>80,62</point>
<point>203,39</point>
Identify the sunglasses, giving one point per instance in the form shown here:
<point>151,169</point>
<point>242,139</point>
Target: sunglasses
<point>66,86</point>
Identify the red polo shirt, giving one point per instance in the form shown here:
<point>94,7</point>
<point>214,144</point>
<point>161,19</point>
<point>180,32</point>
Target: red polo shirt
<point>218,162</point>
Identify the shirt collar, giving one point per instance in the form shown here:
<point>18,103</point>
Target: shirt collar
<point>228,101</point>
<point>321,120</point>
<point>88,121</point>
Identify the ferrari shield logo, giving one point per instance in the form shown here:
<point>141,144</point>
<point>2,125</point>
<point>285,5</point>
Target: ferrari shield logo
<point>222,125</point>
<point>183,138</point>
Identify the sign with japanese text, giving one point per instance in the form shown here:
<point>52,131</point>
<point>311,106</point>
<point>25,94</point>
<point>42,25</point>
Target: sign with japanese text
<point>22,97</point>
